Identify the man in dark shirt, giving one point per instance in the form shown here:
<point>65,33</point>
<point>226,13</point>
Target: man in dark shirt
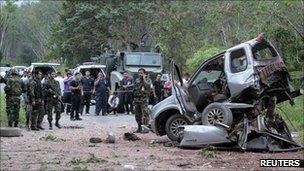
<point>157,89</point>
<point>76,90</point>
<point>127,86</point>
<point>87,83</point>
<point>102,88</point>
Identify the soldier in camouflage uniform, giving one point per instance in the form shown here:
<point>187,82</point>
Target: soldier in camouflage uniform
<point>141,96</point>
<point>13,90</point>
<point>36,100</point>
<point>53,98</point>
<point>27,105</point>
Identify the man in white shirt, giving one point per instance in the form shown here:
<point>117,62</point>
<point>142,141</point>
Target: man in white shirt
<point>113,102</point>
<point>59,78</point>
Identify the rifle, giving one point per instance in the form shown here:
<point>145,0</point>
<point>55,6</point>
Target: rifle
<point>58,100</point>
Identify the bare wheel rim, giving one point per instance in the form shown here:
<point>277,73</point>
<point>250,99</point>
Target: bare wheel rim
<point>175,124</point>
<point>215,115</point>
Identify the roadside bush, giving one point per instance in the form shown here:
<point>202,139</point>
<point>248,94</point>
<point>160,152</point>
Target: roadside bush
<point>199,57</point>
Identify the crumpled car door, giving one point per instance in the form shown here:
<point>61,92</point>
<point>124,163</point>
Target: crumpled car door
<point>239,69</point>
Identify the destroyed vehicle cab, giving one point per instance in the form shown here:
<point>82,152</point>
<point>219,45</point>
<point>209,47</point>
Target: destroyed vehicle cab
<point>244,80</point>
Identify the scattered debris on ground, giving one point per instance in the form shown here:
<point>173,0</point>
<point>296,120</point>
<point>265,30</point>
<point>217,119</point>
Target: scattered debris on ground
<point>10,132</point>
<point>73,127</point>
<point>110,137</point>
<point>95,140</point>
<point>145,129</point>
<point>131,137</point>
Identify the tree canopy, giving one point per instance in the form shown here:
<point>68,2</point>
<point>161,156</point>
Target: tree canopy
<point>73,31</point>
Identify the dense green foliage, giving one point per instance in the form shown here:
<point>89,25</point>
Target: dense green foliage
<point>73,31</point>
<point>200,56</point>
<point>25,30</point>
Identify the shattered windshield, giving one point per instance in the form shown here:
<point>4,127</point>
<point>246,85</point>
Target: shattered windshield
<point>263,51</point>
<point>143,59</point>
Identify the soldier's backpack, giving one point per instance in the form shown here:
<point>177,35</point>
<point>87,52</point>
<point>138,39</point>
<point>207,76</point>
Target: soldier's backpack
<point>13,87</point>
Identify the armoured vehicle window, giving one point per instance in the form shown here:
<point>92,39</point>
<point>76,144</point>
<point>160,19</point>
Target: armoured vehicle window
<point>151,59</point>
<point>145,59</point>
<point>263,51</point>
<point>238,61</point>
<point>133,59</point>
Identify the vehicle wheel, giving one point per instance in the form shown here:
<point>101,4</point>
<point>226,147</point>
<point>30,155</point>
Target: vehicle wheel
<point>172,125</point>
<point>10,132</point>
<point>217,112</point>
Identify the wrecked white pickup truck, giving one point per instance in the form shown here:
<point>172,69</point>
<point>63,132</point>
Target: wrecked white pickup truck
<point>231,98</point>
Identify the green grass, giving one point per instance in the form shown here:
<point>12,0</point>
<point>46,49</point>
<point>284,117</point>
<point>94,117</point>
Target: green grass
<point>293,113</point>
<point>92,159</point>
<point>3,115</point>
<point>51,137</point>
<point>207,153</point>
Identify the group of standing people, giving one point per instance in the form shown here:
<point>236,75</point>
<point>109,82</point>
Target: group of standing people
<point>54,93</point>
<point>78,92</point>
<point>137,94</point>
<point>40,99</point>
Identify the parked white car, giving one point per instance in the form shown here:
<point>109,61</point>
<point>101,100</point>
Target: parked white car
<point>20,69</point>
<point>3,71</point>
<point>92,67</point>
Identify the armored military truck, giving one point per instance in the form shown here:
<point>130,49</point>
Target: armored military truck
<point>131,61</point>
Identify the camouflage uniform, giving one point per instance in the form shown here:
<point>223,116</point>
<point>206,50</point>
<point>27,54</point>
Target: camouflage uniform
<point>35,95</point>
<point>52,92</point>
<point>27,104</point>
<point>13,90</point>
<point>141,96</point>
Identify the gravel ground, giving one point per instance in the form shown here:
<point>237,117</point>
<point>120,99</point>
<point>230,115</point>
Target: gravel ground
<point>69,149</point>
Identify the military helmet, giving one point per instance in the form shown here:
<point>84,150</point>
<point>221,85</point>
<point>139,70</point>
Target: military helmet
<point>14,72</point>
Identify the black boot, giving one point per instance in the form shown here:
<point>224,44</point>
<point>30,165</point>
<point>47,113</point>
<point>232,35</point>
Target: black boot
<point>50,125</point>
<point>10,123</point>
<point>16,124</point>
<point>139,129</point>
<point>40,127</point>
<point>34,128</point>
<point>57,124</point>
<point>27,122</point>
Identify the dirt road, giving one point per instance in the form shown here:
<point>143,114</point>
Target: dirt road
<point>69,148</point>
